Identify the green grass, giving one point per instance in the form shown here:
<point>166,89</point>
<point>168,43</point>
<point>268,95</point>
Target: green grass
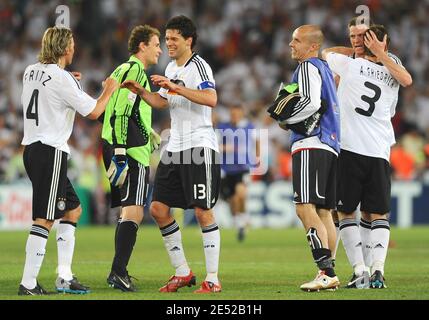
<point>270,264</point>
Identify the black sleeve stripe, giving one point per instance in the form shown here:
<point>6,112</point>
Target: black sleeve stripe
<point>77,83</point>
<point>125,75</point>
<point>395,58</point>
<point>201,70</point>
<point>202,66</point>
<point>305,79</point>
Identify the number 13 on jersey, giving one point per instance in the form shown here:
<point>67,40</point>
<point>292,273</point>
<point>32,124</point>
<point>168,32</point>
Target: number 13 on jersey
<point>199,191</point>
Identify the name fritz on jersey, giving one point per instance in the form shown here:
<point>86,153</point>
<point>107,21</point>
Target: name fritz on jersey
<point>37,76</point>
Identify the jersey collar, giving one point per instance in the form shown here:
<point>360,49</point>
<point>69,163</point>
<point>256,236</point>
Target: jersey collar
<point>190,59</point>
<point>135,59</point>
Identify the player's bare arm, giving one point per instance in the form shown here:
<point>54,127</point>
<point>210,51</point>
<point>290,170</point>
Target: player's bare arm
<point>347,51</point>
<point>152,98</point>
<point>207,97</point>
<point>109,86</point>
<point>378,49</point>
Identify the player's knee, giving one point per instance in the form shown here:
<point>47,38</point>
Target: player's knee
<point>205,217</point>
<point>240,191</point>
<point>158,211</point>
<point>73,215</point>
<point>44,223</point>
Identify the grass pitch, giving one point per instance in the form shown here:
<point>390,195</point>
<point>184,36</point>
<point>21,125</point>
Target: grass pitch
<point>268,265</point>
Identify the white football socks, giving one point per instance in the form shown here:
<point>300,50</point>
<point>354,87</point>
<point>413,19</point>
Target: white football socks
<point>350,236</point>
<point>211,243</point>
<point>380,233</point>
<point>173,244</point>
<point>65,247</point>
<point>35,252</point>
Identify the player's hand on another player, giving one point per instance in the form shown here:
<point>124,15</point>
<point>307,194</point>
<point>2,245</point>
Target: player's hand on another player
<point>155,141</point>
<point>77,75</point>
<point>163,82</point>
<point>110,84</point>
<point>118,167</point>
<point>133,86</point>
<point>373,44</point>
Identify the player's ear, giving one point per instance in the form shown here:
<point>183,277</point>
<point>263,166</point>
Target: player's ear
<point>189,42</point>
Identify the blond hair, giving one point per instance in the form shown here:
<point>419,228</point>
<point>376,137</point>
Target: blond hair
<point>141,34</point>
<point>54,44</point>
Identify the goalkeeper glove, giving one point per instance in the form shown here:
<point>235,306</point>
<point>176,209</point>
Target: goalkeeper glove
<point>118,167</point>
<point>155,141</point>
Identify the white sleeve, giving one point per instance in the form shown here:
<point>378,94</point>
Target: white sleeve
<point>203,78</point>
<point>310,90</point>
<point>75,97</point>
<point>338,63</point>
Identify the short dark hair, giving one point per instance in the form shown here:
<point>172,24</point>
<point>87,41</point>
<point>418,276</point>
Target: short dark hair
<point>185,26</point>
<point>353,22</point>
<point>141,34</point>
<point>380,31</point>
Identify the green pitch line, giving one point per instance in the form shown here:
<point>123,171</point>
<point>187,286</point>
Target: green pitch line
<point>269,264</point>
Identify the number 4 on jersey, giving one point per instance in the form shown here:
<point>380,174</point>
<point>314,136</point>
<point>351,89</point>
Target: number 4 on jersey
<point>34,100</point>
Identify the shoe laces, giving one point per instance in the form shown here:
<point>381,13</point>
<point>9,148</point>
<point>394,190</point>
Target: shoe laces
<point>131,277</point>
<point>320,274</point>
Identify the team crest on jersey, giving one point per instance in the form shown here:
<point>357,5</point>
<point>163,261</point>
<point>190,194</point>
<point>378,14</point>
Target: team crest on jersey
<point>178,82</point>
<point>61,205</point>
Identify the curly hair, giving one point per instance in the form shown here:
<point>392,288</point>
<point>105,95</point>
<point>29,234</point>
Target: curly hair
<point>141,34</point>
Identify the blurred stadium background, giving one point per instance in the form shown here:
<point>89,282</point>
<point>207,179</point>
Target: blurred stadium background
<point>246,43</point>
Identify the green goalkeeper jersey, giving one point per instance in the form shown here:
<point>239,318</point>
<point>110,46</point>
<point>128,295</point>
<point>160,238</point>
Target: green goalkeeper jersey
<point>128,119</point>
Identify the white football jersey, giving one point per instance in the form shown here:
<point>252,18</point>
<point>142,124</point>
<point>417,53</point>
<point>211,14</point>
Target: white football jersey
<point>367,95</point>
<point>50,98</point>
<point>191,123</point>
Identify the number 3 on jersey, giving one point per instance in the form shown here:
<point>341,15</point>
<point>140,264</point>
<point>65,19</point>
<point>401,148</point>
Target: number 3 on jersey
<point>34,100</point>
<point>370,100</point>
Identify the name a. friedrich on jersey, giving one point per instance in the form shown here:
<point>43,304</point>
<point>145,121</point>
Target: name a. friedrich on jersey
<point>379,75</point>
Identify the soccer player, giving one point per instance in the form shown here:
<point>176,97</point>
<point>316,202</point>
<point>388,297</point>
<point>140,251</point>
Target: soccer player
<point>127,146</point>
<point>50,98</point>
<point>356,36</point>
<point>368,93</point>
<point>235,164</point>
<point>314,156</point>
<point>356,33</point>
<point>188,175</point>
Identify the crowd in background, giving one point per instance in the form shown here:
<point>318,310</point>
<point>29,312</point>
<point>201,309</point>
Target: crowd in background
<point>247,44</point>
